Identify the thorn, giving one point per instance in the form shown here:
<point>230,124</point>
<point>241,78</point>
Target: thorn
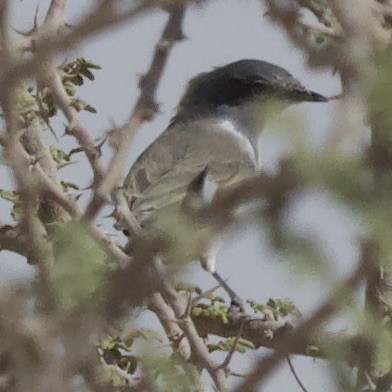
<point>87,188</point>
<point>111,215</point>
<point>35,27</point>
<point>35,22</point>
<point>77,196</point>
<point>335,97</point>
<point>26,34</point>
<point>101,143</point>
<point>65,164</point>
<point>181,37</point>
<point>49,126</point>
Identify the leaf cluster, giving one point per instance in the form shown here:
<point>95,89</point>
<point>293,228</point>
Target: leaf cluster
<point>14,198</point>
<point>241,345</point>
<point>117,349</point>
<point>274,308</point>
<point>39,102</point>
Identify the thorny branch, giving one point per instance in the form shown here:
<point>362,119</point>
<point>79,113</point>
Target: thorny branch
<point>38,185</point>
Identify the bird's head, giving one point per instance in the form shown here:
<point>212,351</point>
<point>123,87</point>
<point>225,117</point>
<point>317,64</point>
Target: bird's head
<point>239,85</point>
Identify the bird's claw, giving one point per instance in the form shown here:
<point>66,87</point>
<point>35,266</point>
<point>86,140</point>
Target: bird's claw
<point>236,306</point>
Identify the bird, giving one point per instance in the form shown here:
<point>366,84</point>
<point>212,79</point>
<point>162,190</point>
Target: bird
<point>215,131</point>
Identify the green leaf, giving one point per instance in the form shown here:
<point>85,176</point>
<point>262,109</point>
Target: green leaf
<point>14,198</point>
<point>70,89</point>
<point>88,74</point>
<point>274,308</point>
<point>92,65</point>
<point>227,345</point>
<point>81,267</point>
<point>17,212</point>
<point>77,80</point>
<point>66,185</point>
<point>80,105</point>
<point>212,311</point>
<point>9,195</point>
<point>58,155</point>
<point>90,109</point>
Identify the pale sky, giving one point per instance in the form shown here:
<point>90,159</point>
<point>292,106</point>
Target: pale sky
<point>222,32</point>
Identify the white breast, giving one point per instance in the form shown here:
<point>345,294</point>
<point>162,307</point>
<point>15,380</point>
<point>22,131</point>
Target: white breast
<point>228,127</point>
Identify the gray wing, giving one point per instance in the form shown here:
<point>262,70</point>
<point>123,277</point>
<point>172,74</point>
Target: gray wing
<point>161,175</point>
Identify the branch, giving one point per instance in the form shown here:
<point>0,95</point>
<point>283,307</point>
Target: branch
<point>99,20</point>
<point>199,351</point>
<point>289,341</point>
<point>35,145</point>
<point>176,336</point>
<point>75,127</point>
<point>268,334</point>
<point>10,239</point>
<point>144,110</point>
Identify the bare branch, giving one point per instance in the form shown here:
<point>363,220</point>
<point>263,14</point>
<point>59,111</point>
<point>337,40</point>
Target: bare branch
<point>225,364</point>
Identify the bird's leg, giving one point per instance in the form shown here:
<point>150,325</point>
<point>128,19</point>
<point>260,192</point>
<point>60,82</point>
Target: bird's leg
<point>236,301</point>
<point>208,261</point>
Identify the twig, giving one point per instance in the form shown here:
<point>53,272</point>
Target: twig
<point>199,351</point>
<point>123,214</point>
<point>42,252</point>
<point>225,364</point>
<point>35,145</point>
<point>75,127</point>
<point>166,316</point>
<point>99,20</point>
<point>299,382</point>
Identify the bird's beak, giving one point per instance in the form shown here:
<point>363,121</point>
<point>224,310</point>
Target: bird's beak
<point>311,96</point>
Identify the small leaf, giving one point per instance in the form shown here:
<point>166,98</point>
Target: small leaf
<point>80,105</point>
<point>88,74</point>
<point>92,65</point>
<point>89,108</point>
<point>9,195</point>
<point>58,155</point>
<point>66,185</point>
<point>17,212</point>
<point>274,308</point>
<point>77,80</point>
